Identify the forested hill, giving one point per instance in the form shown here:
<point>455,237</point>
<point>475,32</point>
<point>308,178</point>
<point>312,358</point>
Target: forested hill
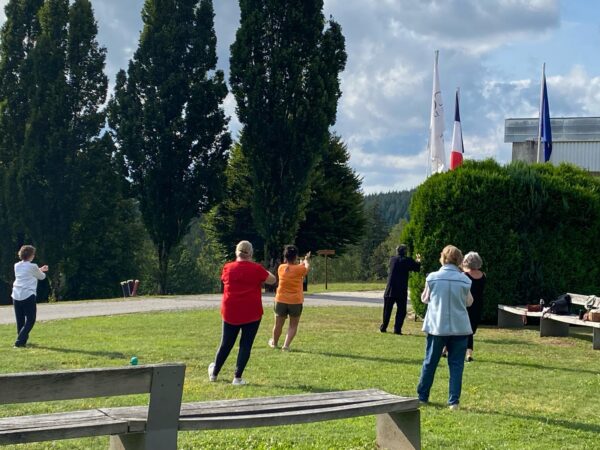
<point>393,206</point>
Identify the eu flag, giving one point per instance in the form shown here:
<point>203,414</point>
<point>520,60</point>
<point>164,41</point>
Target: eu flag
<point>545,129</point>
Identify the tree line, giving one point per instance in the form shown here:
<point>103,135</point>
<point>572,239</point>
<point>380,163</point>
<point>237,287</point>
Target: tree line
<point>109,187</point>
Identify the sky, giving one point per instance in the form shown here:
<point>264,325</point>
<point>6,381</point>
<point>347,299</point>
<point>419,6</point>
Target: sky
<point>493,50</point>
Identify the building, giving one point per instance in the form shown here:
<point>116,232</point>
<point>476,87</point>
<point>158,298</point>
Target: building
<point>574,139</point>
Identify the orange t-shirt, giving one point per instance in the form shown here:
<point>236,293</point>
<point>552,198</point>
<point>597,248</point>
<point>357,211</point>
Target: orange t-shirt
<point>290,283</point>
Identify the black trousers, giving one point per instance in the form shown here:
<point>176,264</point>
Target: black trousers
<point>388,306</point>
<point>25,313</point>
<point>228,338</point>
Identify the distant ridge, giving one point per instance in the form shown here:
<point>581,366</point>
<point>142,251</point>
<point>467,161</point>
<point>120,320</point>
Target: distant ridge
<point>393,205</point>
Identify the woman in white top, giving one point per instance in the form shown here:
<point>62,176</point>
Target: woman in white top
<point>24,291</point>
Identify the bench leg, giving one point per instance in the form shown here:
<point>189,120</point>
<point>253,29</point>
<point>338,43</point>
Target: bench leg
<point>596,337</point>
<point>135,441</point>
<point>399,431</point>
<point>143,441</point>
<point>509,320</point>
<point>549,327</point>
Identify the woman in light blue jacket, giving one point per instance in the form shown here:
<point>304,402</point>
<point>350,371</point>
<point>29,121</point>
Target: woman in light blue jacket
<point>447,295</point>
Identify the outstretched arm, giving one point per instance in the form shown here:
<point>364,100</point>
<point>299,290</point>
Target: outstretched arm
<point>270,278</point>
<point>306,261</point>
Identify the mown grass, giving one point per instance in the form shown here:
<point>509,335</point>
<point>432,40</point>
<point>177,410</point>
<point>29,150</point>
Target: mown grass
<point>522,392</point>
<point>345,287</point>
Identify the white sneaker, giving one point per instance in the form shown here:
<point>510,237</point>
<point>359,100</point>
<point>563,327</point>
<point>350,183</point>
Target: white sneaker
<point>454,407</point>
<point>285,349</point>
<point>211,372</point>
<point>238,382</point>
<point>272,343</point>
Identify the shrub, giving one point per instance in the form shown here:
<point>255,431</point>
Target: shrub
<point>536,227</point>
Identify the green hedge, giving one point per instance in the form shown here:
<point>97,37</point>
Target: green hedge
<point>537,228</point>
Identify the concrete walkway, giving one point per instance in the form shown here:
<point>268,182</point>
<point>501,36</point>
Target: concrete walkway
<point>71,310</point>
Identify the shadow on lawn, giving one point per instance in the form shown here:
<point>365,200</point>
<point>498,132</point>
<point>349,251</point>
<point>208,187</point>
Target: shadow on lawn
<point>539,366</point>
<point>364,357</point>
<point>578,426</point>
<point>112,355</point>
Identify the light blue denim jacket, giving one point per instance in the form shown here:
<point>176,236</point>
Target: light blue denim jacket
<point>447,303</point>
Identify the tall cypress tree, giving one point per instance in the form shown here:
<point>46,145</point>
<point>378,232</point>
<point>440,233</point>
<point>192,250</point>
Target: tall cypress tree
<point>47,160</point>
<point>285,66</point>
<point>53,90</point>
<point>17,37</point>
<point>103,234</point>
<point>168,120</point>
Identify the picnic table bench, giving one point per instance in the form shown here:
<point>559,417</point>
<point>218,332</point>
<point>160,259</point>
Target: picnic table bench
<point>155,427</point>
<point>550,324</point>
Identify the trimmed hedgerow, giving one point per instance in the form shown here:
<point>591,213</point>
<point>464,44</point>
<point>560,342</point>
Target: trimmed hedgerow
<point>536,227</point>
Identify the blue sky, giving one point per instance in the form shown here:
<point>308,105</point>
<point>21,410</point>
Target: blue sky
<point>492,49</point>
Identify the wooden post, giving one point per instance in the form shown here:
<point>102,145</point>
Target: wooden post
<point>325,253</point>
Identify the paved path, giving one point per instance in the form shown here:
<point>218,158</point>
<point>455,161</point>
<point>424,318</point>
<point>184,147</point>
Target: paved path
<point>70,310</point>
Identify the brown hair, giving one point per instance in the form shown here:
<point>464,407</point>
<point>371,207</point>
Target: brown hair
<point>26,252</point>
<point>451,255</point>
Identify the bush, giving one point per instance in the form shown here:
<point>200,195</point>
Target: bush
<point>536,227</point>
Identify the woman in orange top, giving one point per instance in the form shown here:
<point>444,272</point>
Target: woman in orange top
<point>289,296</point>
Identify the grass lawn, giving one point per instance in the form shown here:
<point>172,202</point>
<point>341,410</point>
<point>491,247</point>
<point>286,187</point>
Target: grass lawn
<point>346,287</point>
<point>521,392</point>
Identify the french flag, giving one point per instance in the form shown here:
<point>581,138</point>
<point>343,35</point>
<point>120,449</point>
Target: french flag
<point>456,156</point>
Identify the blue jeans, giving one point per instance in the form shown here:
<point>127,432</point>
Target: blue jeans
<point>457,347</point>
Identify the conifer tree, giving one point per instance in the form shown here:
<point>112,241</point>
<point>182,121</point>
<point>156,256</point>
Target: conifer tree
<point>285,66</point>
<point>168,120</point>
<point>334,217</point>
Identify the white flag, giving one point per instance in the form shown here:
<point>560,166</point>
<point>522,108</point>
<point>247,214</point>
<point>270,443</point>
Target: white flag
<point>437,154</point>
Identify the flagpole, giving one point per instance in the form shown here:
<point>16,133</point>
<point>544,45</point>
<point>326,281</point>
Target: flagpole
<point>539,141</point>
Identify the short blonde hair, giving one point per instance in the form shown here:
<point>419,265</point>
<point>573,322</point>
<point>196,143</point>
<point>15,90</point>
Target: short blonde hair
<point>244,249</point>
<point>472,260</point>
<point>26,252</point>
<point>451,255</point>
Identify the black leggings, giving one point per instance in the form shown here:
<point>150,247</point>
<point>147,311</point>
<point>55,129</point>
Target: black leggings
<point>230,334</point>
<point>25,314</point>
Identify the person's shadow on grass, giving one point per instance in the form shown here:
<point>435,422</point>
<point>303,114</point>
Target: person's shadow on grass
<point>111,355</point>
<point>364,357</point>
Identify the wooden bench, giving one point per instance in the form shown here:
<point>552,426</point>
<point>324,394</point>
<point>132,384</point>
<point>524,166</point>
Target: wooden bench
<point>157,430</point>
<point>398,419</point>
<point>550,324</point>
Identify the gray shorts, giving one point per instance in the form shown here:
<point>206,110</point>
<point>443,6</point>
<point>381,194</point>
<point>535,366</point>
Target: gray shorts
<point>288,309</point>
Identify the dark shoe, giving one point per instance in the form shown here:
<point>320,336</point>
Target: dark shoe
<point>19,345</point>
<point>444,354</point>
<point>398,332</point>
<point>382,329</point>
<point>469,359</point>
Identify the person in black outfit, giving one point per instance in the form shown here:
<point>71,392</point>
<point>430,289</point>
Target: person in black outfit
<point>396,291</point>
<point>472,267</point>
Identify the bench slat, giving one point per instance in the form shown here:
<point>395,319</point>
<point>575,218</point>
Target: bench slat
<point>45,427</point>
<point>75,384</point>
<point>200,409</point>
<point>254,405</point>
<point>189,422</point>
<point>519,310</point>
<point>572,320</point>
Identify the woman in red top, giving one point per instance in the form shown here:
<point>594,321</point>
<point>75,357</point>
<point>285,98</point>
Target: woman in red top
<point>241,309</point>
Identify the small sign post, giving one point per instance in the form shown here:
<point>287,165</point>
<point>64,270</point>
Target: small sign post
<point>325,253</point>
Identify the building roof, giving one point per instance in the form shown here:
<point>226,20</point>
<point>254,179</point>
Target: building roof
<point>565,129</point>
